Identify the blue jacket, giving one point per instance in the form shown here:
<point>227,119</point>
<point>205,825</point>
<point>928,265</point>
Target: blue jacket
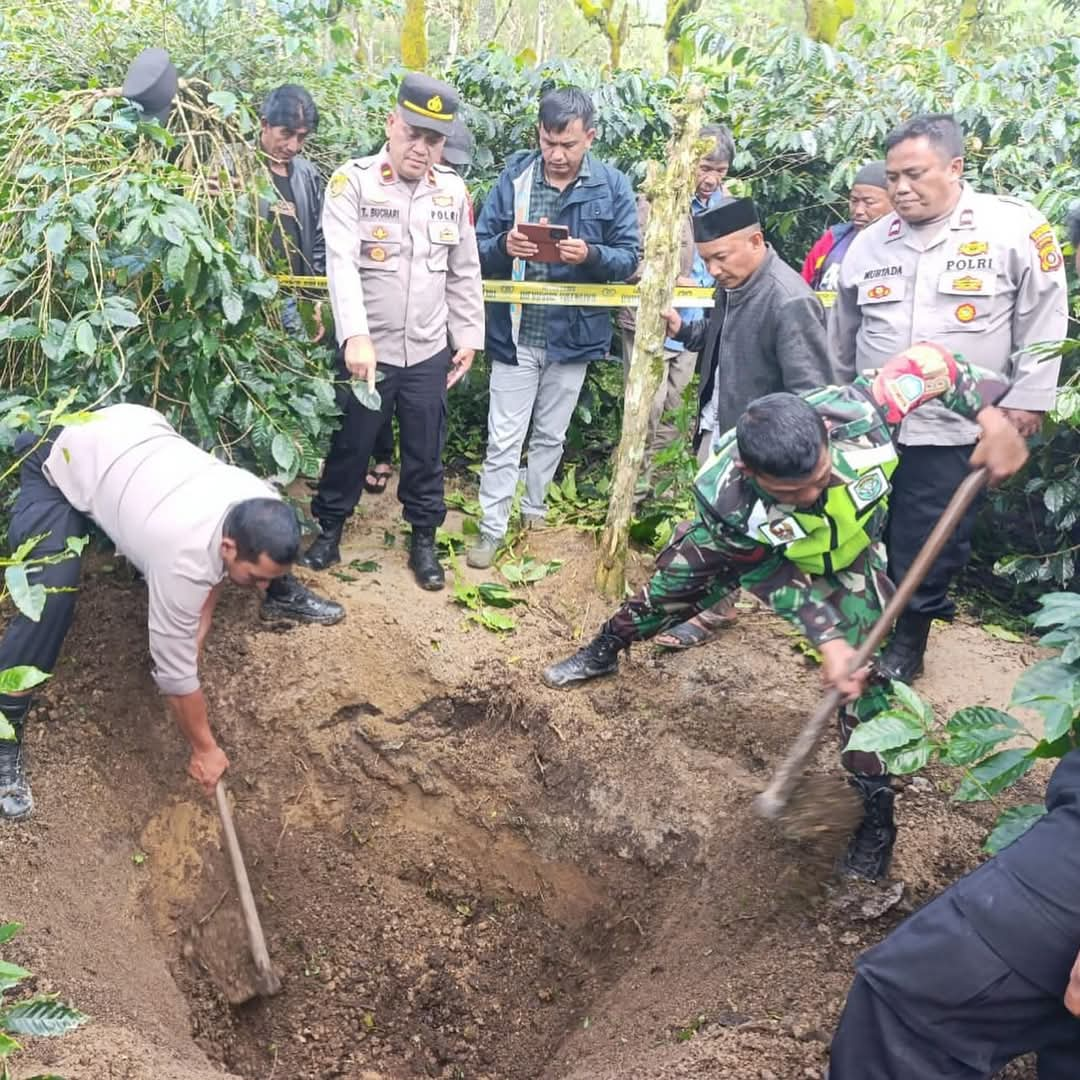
<point>601,211</point>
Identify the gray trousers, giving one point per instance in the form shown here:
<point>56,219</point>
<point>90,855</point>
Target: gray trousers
<point>532,390</point>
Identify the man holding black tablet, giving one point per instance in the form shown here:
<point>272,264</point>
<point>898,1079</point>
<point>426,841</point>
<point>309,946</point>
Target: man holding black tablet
<point>555,214</point>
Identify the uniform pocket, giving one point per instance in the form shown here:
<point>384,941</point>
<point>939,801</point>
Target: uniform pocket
<point>966,300</point>
<point>878,302</point>
<point>593,220</point>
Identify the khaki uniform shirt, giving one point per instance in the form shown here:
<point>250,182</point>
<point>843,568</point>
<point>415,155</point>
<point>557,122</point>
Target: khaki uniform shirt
<point>162,502</point>
<point>988,284</point>
<point>401,260</point>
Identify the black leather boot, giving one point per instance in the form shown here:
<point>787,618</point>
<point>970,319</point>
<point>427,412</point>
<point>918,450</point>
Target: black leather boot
<point>16,802</point>
<point>423,561</point>
<point>903,656</point>
<point>286,598</point>
<point>324,550</point>
<point>870,851</point>
<point>599,657</point>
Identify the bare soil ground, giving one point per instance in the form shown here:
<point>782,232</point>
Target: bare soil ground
<point>462,874</point>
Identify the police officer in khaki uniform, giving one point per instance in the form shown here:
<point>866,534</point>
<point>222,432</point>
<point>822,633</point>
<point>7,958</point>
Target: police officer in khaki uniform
<point>979,274</point>
<point>404,276</point>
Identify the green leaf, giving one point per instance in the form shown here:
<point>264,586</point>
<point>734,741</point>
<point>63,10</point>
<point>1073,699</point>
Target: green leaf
<point>1011,825</point>
<point>368,566</point>
<point>1046,679</point>
<point>886,731</point>
<point>29,599</point>
<point>8,1046</point>
<point>57,236</point>
<point>176,261</point>
<point>118,315</point>
<point>225,101</point>
<point>491,592</point>
<point>11,975</point>
<point>1002,633</point>
<point>284,451</point>
<point>7,731</point>
<point>910,759</point>
<point>16,680</point>
<point>494,620</point>
<point>9,930</point>
<point>76,544</point>
<point>975,731</point>
<point>85,341</point>
<point>912,703</point>
<point>43,1017</point>
<point>993,775</point>
<point>370,399</point>
<point>232,306</point>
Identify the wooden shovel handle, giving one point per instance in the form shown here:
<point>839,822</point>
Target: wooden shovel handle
<point>773,799</point>
<point>266,981</point>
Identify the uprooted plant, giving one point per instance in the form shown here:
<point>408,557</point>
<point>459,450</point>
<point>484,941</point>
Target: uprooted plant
<point>909,737</point>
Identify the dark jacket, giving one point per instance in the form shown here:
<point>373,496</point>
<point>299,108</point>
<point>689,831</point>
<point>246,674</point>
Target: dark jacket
<point>765,336</point>
<point>600,210</point>
<point>307,188</point>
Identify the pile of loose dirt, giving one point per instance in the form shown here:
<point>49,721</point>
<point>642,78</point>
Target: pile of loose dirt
<point>461,873</point>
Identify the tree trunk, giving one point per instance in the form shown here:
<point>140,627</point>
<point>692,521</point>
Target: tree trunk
<point>669,196</point>
<point>414,46</point>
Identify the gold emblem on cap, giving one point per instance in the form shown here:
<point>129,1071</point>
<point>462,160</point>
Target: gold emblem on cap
<point>435,103</point>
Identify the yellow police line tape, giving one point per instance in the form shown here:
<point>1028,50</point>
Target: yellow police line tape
<point>559,292</point>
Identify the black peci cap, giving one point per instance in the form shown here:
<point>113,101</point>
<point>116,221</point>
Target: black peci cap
<point>728,216</point>
<point>427,103</point>
<point>151,82</point>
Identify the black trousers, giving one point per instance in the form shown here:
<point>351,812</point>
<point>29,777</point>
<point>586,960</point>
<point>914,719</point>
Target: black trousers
<point>923,483</point>
<point>41,508</point>
<point>958,1011</point>
<point>976,977</point>
<point>383,451</point>
<point>417,396</point>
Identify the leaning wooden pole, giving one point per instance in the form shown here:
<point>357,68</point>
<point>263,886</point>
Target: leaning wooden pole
<point>669,193</point>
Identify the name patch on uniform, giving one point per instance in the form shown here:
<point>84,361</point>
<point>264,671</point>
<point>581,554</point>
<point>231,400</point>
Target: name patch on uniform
<point>377,213</point>
<point>338,183</point>
<point>785,530</point>
<point>973,247</point>
<point>883,271</point>
<point>1046,248</point>
<point>868,488</point>
<point>965,313</point>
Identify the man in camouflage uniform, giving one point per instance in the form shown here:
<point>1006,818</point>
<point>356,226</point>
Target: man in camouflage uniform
<point>792,509</point>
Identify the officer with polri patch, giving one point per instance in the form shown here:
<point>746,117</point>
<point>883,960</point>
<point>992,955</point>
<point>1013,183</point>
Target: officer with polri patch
<point>979,274</point>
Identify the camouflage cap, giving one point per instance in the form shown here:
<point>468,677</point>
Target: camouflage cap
<point>427,103</point>
<point>151,82</point>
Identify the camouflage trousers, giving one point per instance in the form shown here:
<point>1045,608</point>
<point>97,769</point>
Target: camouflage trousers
<point>695,571</point>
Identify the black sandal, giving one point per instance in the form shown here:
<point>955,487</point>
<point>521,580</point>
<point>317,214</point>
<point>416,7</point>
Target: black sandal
<point>376,480</point>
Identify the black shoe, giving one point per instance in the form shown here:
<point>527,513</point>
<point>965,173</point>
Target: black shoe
<point>423,561</point>
<point>599,657</point>
<point>16,802</point>
<point>288,599</point>
<point>870,851</point>
<point>903,656</point>
<point>324,550</point>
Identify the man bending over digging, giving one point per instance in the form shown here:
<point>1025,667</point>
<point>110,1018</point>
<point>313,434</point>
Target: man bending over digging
<point>792,508</point>
<point>187,521</point>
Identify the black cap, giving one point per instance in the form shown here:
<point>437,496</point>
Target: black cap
<point>873,175</point>
<point>726,217</point>
<point>459,144</point>
<point>427,103</point>
<point>151,82</point>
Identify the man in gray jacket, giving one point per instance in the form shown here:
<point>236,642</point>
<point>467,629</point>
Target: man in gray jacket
<point>766,335</point>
